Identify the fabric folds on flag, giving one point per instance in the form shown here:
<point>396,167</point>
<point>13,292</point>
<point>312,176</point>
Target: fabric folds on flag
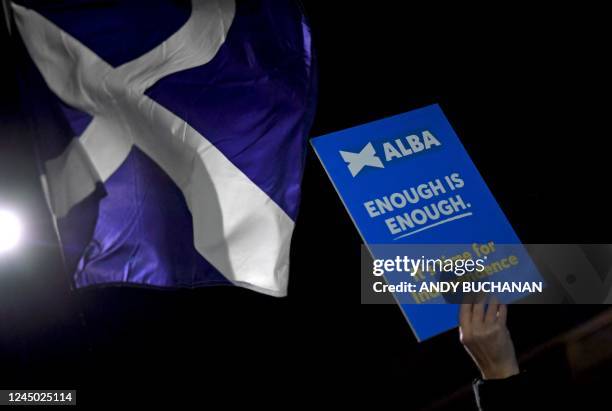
<point>171,135</point>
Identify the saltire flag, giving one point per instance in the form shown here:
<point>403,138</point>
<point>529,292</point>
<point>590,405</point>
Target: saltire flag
<point>171,135</point>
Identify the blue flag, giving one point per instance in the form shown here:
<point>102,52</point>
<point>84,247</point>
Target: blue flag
<point>171,135</point>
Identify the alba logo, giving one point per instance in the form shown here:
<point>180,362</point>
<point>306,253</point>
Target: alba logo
<point>398,148</point>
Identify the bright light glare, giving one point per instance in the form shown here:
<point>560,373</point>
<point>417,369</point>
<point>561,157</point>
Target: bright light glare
<point>10,230</point>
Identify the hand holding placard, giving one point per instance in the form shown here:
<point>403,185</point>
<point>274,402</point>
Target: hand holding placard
<point>486,338</point>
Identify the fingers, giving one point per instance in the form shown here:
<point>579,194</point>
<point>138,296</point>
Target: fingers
<point>478,313</point>
<point>479,317</point>
<point>465,315</point>
<point>465,322</point>
<point>502,314</point>
<point>491,314</point>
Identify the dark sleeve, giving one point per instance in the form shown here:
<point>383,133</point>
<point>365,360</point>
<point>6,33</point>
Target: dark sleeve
<point>510,393</point>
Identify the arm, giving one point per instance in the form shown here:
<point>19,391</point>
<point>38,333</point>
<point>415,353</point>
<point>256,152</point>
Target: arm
<point>486,338</point>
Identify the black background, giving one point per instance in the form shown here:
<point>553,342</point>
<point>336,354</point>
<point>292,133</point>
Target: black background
<point>525,90</point>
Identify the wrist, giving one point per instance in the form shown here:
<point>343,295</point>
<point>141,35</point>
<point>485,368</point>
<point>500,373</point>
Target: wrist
<point>500,371</point>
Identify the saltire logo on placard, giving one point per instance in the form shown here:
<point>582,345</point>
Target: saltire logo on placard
<point>398,148</point>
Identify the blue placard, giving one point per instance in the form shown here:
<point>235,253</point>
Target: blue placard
<point>407,179</point>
